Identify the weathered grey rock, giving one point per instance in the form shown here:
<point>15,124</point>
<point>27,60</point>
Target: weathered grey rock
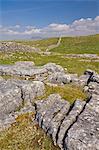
<point>57,106</point>
<point>68,121</point>
<point>83,80</point>
<point>56,121</point>
<point>59,78</point>
<point>30,89</point>
<point>25,64</point>
<point>6,121</point>
<point>95,78</point>
<point>28,70</point>
<point>10,98</point>
<point>93,88</point>
<point>43,105</point>
<point>16,93</point>
<point>52,67</point>
<point>82,56</point>
<point>11,118</point>
<point>74,78</point>
<point>84,134</point>
<point>89,72</point>
<point>21,70</point>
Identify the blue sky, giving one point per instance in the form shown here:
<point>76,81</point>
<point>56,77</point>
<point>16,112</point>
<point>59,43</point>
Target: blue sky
<point>41,13</point>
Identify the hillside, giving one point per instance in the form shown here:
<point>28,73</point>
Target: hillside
<point>69,45</point>
<point>79,45</point>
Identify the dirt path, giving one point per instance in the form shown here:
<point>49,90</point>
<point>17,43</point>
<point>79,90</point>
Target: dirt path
<point>54,45</point>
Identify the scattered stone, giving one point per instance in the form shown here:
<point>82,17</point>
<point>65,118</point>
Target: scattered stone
<point>95,56</point>
<point>13,46</point>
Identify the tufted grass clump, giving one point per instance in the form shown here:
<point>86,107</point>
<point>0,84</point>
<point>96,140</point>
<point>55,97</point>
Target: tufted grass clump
<point>69,92</point>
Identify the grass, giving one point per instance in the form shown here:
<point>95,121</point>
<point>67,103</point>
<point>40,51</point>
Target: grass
<point>79,45</point>
<point>74,65</point>
<point>25,135</point>
<point>69,92</point>
<point>42,44</point>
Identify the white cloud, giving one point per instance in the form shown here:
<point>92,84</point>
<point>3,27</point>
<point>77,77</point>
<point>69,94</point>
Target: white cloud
<point>78,27</point>
<point>58,27</point>
<point>31,31</point>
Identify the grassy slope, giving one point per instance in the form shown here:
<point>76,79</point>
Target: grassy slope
<point>79,45</point>
<point>42,44</point>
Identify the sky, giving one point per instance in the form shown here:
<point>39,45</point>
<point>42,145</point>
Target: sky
<point>26,19</point>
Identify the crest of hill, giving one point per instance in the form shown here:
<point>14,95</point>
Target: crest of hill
<point>68,45</point>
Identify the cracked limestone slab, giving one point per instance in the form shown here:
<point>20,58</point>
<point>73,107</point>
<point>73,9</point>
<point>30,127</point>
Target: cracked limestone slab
<point>57,106</point>
<point>69,120</point>
<point>84,134</point>
<point>56,121</point>
<point>43,105</point>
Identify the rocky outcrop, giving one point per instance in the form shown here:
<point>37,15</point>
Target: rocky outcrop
<point>29,70</point>
<point>71,126</point>
<point>76,126</point>
<point>49,73</point>
<point>84,133</point>
<point>17,95</point>
<point>13,47</point>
